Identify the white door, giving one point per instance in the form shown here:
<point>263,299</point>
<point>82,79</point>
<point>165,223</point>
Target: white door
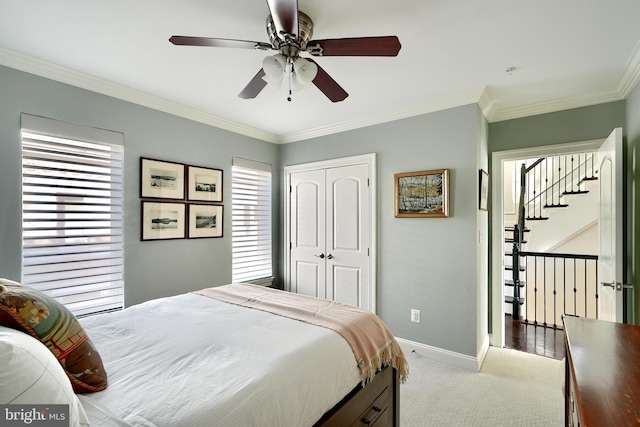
<point>329,212</point>
<point>610,229</point>
<point>307,235</point>
<point>347,235</point>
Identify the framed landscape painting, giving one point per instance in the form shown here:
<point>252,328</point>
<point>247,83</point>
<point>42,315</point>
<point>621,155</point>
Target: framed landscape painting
<point>204,184</point>
<point>422,194</point>
<point>205,221</point>
<point>161,180</point>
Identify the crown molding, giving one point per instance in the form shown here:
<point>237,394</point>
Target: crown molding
<point>82,80</point>
<point>486,103</point>
<point>470,96</point>
<point>631,75</point>
<point>622,90</point>
<point>481,96</point>
<point>559,104</point>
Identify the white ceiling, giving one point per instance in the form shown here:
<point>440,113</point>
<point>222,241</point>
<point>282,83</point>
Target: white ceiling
<point>567,53</point>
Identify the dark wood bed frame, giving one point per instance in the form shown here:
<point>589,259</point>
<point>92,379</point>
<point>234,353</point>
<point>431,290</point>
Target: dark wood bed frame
<point>377,403</point>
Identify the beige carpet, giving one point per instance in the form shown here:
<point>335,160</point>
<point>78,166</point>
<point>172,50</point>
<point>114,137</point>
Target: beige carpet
<point>513,388</point>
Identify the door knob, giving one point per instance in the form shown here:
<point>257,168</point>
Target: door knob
<point>616,286</point>
<point>320,256</point>
<point>329,256</point>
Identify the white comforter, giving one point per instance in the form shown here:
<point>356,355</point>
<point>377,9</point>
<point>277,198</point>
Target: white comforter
<point>194,361</point>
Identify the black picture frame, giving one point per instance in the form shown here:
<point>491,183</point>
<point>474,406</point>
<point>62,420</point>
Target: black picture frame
<point>483,190</point>
<point>205,221</point>
<point>160,179</point>
<point>204,184</point>
<point>162,220</point>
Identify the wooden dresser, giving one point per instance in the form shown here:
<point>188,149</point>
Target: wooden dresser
<point>602,373</point>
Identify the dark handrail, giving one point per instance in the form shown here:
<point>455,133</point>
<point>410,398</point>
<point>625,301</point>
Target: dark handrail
<point>557,255</point>
<point>536,163</point>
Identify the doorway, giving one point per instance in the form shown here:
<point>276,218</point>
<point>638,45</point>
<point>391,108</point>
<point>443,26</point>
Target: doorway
<point>498,234</point>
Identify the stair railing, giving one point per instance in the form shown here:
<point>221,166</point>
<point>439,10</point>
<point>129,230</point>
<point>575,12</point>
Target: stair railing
<point>562,284</point>
<point>518,230</point>
<point>547,183</point>
<point>550,178</point>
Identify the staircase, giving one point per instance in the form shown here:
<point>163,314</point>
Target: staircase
<point>557,200</point>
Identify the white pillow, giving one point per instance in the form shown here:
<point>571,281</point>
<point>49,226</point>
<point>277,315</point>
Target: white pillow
<point>31,375</point>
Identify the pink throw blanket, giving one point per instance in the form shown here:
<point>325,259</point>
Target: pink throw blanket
<point>372,343</point>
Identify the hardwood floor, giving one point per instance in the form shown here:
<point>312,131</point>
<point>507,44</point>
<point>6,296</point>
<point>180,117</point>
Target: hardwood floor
<point>534,339</point>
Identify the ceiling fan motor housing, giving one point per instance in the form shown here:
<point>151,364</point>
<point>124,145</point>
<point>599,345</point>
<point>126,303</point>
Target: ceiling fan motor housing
<point>289,46</point>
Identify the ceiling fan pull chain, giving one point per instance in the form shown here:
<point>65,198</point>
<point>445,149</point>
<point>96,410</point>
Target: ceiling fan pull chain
<point>290,75</point>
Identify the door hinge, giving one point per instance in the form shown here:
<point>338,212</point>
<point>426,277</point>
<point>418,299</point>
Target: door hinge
<point>368,185</point>
<point>368,252</point>
<point>290,189</point>
<point>290,245</point>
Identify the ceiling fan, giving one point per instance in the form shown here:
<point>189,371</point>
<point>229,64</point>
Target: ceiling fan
<point>290,33</point>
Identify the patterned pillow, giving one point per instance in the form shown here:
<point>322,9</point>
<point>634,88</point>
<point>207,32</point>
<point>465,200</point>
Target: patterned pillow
<point>35,377</point>
<point>44,318</point>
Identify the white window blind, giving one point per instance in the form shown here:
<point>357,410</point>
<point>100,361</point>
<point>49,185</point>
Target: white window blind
<point>251,222</point>
<point>72,227</point>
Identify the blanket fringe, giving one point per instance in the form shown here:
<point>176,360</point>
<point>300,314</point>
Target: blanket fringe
<point>390,354</point>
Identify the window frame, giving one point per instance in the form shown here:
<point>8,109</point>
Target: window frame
<point>252,218</point>
<point>72,189</point>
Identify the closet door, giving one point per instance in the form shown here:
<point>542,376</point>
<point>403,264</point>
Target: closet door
<point>307,233</point>
<point>330,234</point>
<point>347,236</point>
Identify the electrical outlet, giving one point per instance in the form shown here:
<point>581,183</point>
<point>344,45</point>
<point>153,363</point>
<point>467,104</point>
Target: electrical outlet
<point>415,315</point>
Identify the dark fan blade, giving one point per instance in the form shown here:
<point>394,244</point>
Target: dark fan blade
<point>358,46</point>
<point>328,86</point>
<point>254,87</point>
<point>208,41</point>
<point>285,16</point>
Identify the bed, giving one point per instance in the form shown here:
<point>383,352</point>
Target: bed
<point>231,356</point>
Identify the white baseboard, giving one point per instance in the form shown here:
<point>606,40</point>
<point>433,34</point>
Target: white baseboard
<point>484,349</point>
<point>445,356</point>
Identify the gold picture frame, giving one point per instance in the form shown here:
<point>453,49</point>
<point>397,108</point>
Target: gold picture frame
<point>422,194</point>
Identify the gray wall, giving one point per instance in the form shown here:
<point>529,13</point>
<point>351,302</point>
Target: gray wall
<point>633,195</point>
<point>424,263</point>
<point>435,265</point>
<point>579,124</point>
<point>152,268</point>
<point>428,264</point>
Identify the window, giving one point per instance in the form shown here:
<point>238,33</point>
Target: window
<point>72,240</point>
<point>251,222</point>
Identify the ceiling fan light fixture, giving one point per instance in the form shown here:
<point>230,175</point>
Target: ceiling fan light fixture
<point>305,71</point>
<point>274,66</point>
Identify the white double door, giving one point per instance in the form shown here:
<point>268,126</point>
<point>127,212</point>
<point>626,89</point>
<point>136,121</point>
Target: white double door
<point>329,227</point>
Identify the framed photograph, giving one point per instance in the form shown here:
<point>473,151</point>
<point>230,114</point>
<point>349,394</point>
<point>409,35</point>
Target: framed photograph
<point>422,194</point>
<point>163,220</point>
<point>204,184</point>
<point>161,180</point>
<point>205,221</point>
<point>484,190</point>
